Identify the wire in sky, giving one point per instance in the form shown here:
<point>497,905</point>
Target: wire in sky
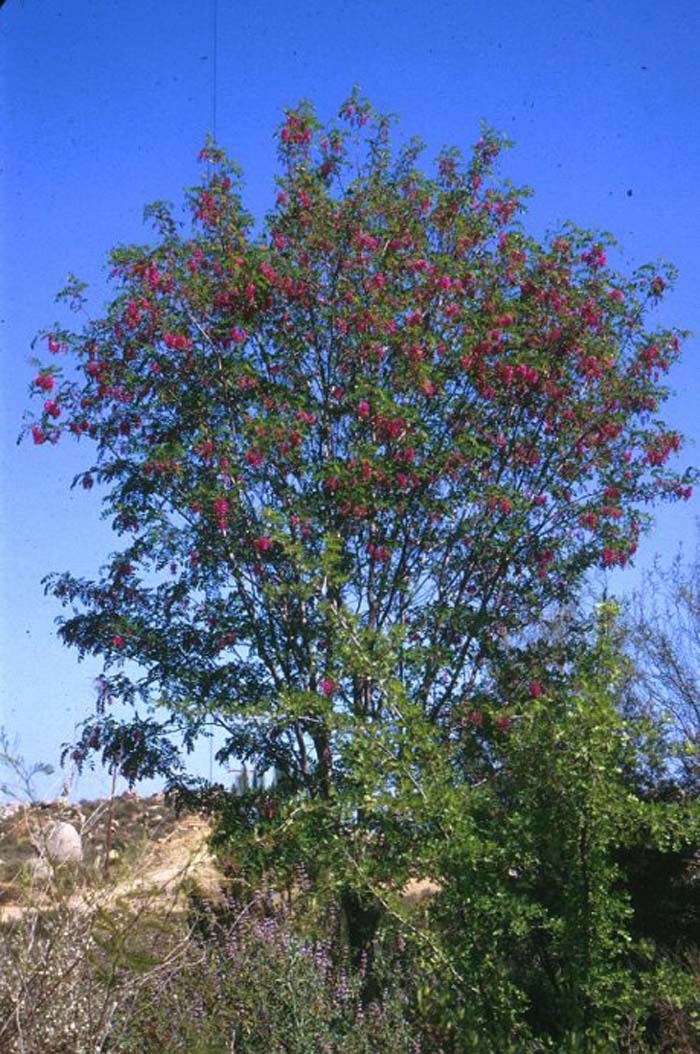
<point>214,63</point>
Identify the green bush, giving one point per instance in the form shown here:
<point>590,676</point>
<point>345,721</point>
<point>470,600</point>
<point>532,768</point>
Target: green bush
<point>534,940</point>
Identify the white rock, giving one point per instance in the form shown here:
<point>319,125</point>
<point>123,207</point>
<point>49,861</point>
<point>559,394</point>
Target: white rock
<point>63,844</point>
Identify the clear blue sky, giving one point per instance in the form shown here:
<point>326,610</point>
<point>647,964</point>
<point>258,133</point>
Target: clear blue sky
<point>105,106</point>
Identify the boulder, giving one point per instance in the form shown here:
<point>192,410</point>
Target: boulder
<point>63,844</point>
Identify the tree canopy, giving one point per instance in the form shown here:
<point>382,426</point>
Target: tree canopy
<point>360,458</point>
<point>353,448</point>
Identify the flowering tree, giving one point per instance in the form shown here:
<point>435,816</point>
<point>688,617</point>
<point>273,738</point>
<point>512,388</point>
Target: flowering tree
<point>349,453</point>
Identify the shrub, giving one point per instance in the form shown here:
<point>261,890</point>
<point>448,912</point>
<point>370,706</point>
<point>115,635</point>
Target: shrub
<point>257,987</point>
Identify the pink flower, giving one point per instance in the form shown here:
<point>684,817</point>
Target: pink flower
<point>177,341</point>
<point>595,257</point>
<point>220,506</point>
<point>254,458</point>
<point>363,408</point>
<point>38,436</point>
<point>118,641</point>
<point>328,687</point>
<point>536,689</point>
<point>44,382</point>
<point>367,241</point>
<point>52,408</point>
<point>54,345</point>
<point>332,483</point>
<point>262,544</point>
<point>238,336</point>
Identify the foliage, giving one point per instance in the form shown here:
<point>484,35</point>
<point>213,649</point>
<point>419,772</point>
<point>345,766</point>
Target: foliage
<point>256,986</point>
<point>531,940</point>
<point>360,458</point>
<point>541,900</point>
<point>109,980</point>
<point>57,988</point>
<point>350,450</point>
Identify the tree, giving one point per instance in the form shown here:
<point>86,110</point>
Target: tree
<point>663,622</point>
<point>353,455</point>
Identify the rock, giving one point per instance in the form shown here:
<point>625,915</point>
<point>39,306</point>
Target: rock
<point>63,844</point>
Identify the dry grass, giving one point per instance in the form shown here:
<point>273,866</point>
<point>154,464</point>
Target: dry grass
<point>153,852</point>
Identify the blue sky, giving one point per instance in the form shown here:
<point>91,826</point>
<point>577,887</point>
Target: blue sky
<point>105,106</point>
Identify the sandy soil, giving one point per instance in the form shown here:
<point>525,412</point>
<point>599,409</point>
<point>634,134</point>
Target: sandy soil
<point>173,853</point>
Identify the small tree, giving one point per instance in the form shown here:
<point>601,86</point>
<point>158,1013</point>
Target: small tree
<point>22,773</point>
<point>536,920</point>
<point>351,454</point>
<point>663,622</point>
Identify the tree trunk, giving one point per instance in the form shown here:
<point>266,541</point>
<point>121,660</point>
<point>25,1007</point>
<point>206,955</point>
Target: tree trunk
<point>361,917</point>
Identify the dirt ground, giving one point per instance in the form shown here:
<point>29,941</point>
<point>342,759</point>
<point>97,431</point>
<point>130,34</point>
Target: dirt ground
<point>152,854</point>
<point>133,848</point>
